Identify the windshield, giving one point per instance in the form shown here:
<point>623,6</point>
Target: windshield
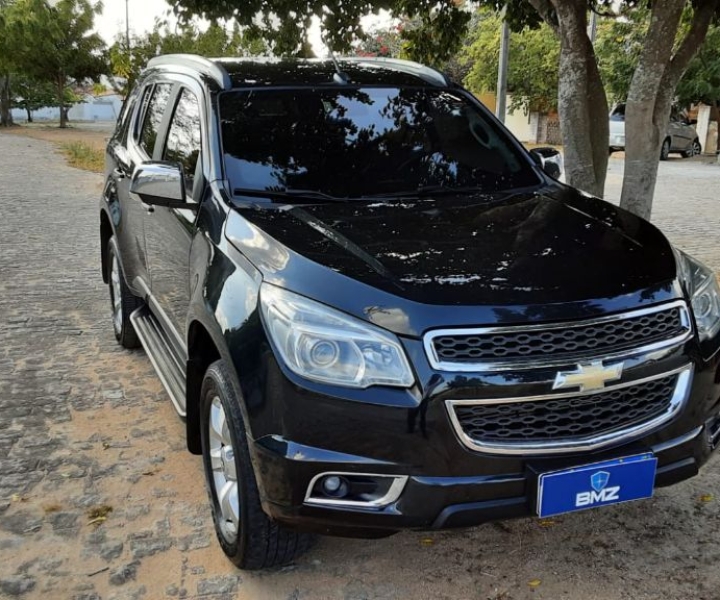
<point>362,142</point>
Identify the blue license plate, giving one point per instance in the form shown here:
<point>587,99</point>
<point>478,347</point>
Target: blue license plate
<point>598,484</point>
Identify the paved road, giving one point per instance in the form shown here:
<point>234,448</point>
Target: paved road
<point>98,498</point>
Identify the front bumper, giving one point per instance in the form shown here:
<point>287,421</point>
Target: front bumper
<point>448,485</point>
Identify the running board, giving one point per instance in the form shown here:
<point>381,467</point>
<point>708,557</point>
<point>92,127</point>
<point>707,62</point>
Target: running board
<point>161,356</point>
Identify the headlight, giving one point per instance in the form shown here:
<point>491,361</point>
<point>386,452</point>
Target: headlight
<point>323,344</point>
<point>704,294</point>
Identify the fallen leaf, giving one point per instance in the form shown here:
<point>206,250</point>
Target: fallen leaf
<point>547,522</point>
<point>707,498</point>
<point>52,508</point>
<point>105,446</point>
<point>99,512</point>
<point>17,498</point>
<point>533,583</point>
<point>97,520</point>
<point>427,541</point>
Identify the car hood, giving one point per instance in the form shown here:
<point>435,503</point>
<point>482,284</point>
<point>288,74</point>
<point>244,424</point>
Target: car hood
<point>528,248</point>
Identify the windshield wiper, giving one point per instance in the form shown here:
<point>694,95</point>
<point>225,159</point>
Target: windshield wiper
<point>431,190</point>
<point>290,194</point>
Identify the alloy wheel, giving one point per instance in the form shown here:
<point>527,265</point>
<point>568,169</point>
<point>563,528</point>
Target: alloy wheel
<point>224,472</point>
<point>116,294</point>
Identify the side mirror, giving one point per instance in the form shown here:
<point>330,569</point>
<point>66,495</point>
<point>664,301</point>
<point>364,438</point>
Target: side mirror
<point>160,184</point>
<point>549,159</point>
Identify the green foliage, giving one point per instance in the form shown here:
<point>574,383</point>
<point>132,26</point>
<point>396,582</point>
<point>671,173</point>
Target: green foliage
<point>532,63</point>
<point>54,43</point>
<point>31,94</point>
<point>187,38</point>
<point>285,23</point>
<point>701,82</point>
<point>618,47</point>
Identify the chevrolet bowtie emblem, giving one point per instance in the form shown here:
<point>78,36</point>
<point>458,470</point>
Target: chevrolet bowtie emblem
<point>588,376</point>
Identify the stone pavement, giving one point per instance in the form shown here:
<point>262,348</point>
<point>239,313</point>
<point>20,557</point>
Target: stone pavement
<point>100,500</point>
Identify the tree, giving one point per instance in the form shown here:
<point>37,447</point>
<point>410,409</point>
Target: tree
<point>185,37</point>
<point>532,68</point>
<point>5,66</point>
<point>54,43</point>
<point>30,95</point>
<point>582,103</point>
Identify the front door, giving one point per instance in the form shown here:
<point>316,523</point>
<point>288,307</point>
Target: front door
<point>169,231</point>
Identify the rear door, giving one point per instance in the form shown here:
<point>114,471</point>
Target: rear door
<point>138,146</point>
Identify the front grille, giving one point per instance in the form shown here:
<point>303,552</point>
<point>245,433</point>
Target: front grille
<point>557,342</point>
<point>567,418</point>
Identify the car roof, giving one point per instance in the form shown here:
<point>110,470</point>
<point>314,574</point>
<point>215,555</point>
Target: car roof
<point>231,73</point>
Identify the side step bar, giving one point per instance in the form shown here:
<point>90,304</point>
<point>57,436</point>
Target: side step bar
<point>160,353</point>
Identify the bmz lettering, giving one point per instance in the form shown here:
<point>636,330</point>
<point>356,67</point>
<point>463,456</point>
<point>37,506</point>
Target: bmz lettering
<point>592,497</point>
<point>600,492</point>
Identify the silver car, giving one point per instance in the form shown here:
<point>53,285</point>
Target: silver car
<point>680,135</point>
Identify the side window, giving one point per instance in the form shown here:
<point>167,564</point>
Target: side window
<point>154,116</point>
<point>183,143</point>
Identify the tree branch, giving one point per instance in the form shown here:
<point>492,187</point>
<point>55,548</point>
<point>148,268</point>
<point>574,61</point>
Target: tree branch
<point>547,11</point>
<point>695,36</point>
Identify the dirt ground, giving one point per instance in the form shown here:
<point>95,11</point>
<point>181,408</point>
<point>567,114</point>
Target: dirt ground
<point>94,135</point>
<point>99,499</point>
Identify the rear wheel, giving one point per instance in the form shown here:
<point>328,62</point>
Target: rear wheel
<point>694,150</point>
<point>665,150</point>
<point>122,301</point>
<point>248,537</point>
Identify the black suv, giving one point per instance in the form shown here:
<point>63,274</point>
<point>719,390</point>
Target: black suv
<point>375,310</point>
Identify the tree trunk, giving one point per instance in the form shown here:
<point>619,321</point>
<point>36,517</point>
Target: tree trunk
<point>61,102</point>
<point>651,94</point>
<point>582,104</point>
<point>29,113</point>
<point>5,112</point>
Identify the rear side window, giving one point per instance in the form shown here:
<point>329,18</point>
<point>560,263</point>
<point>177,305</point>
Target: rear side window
<point>154,116</point>
<point>183,144</point>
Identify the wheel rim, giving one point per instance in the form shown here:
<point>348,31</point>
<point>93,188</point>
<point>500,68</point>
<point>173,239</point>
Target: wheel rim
<point>665,148</point>
<point>696,148</point>
<point>116,294</point>
<point>224,473</point>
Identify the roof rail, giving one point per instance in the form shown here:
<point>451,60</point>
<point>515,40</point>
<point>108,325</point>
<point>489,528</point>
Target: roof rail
<point>196,63</point>
<point>406,66</point>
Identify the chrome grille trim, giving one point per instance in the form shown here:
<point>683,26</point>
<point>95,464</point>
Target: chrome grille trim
<point>533,363</point>
<point>580,444</point>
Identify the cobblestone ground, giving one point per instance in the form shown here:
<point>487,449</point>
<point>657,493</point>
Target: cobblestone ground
<point>99,500</point>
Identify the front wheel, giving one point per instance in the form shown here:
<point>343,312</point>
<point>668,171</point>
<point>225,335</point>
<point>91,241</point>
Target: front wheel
<point>665,150</point>
<point>247,536</point>
<point>694,150</point>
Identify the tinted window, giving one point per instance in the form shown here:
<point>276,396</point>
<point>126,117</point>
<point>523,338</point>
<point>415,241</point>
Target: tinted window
<point>355,142</point>
<point>154,116</point>
<point>183,142</point>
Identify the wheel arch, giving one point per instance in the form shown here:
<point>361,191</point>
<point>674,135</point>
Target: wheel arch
<point>203,350</point>
<point>106,232</point>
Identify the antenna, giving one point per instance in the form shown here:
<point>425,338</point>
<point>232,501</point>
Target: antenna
<point>340,76</point>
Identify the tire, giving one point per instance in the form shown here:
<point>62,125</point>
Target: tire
<point>665,150</point>
<point>122,301</point>
<point>694,150</point>
<point>249,538</point>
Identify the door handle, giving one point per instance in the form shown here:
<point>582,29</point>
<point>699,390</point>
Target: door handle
<point>119,173</point>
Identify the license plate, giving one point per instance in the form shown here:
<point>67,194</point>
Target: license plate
<point>598,484</point>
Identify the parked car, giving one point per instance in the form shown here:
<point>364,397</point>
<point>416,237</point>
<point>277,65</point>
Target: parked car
<point>680,136</point>
<point>376,311</point>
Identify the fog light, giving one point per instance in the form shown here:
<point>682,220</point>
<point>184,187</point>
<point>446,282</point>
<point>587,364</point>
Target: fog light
<point>335,487</point>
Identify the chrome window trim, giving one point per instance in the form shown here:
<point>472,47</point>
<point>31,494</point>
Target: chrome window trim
<point>393,493</point>
<point>585,444</point>
<point>533,363</point>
